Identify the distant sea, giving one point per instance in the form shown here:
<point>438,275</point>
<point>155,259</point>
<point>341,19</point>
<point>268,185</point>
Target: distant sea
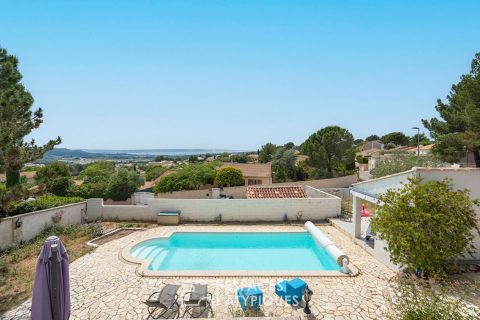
<point>162,152</point>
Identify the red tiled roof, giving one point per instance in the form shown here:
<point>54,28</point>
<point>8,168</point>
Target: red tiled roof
<point>284,192</point>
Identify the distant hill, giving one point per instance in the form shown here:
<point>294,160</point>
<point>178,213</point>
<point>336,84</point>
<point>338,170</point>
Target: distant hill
<point>73,154</point>
<point>142,154</point>
<point>64,152</point>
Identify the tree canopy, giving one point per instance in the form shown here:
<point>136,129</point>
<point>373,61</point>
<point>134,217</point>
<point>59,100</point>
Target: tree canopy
<point>266,153</point>
<point>284,165</point>
<point>422,138</point>
<point>229,177</point>
<point>403,162</point>
<point>52,171</point>
<point>17,120</point>
<point>187,177</point>
<point>98,171</point>
<point>240,158</point>
<point>373,137</point>
<point>123,184</point>
<point>458,130</point>
<point>55,176</point>
<point>426,224</point>
<point>396,138</point>
<point>330,150</point>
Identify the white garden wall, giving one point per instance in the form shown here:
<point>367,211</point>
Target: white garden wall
<point>207,210</point>
<point>33,223</point>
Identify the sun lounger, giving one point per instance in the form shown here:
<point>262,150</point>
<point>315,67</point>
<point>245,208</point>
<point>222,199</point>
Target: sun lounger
<point>197,302</point>
<point>164,304</point>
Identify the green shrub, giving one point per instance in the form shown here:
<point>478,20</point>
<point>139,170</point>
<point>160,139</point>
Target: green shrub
<point>10,196</point>
<point>98,171</point>
<point>415,300</point>
<point>188,177</point>
<point>51,172</point>
<point>240,158</point>
<point>59,186</point>
<point>403,162</point>
<point>55,176</point>
<point>122,184</point>
<point>3,266</point>
<point>426,225</point>
<point>362,160</point>
<point>153,172</point>
<point>89,190</point>
<point>229,177</point>
<point>41,203</point>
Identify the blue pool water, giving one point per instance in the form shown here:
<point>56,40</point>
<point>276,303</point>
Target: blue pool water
<point>235,251</point>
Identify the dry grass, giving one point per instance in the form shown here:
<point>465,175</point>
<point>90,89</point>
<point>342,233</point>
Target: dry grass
<point>17,265</point>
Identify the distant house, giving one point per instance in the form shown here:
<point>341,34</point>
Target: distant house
<point>424,150</point>
<point>371,149</point>
<point>373,145</point>
<point>254,173</point>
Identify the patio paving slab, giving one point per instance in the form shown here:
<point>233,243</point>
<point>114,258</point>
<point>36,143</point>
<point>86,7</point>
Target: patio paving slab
<point>104,286</point>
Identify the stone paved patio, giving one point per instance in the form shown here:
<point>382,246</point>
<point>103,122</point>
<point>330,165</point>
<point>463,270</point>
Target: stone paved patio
<point>103,286</point>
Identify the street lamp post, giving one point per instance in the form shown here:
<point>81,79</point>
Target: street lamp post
<point>418,140</point>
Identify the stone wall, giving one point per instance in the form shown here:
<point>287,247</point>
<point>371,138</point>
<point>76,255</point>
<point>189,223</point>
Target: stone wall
<point>27,226</point>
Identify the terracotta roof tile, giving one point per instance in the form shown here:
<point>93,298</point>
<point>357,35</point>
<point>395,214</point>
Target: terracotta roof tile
<point>283,192</point>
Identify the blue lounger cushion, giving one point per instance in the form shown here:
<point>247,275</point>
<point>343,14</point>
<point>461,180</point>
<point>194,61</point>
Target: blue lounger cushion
<point>291,291</point>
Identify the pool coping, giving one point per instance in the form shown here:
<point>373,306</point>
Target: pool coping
<point>143,271</point>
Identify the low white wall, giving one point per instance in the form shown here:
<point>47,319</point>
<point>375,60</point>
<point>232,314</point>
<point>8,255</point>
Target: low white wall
<point>141,198</point>
<point>316,193</point>
<point>33,223</point>
<point>207,210</point>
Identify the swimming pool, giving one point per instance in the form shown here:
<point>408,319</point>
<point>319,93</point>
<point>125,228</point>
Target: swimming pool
<point>224,251</point>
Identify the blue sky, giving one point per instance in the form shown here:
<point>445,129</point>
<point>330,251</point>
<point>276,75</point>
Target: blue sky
<point>235,74</point>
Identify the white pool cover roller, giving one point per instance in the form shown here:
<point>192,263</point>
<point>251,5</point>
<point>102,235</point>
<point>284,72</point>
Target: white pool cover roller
<point>324,242</point>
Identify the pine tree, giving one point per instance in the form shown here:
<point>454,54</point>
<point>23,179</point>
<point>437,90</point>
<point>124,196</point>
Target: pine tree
<point>17,120</point>
<point>459,129</point>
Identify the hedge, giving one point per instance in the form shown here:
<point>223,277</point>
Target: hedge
<point>41,203</point>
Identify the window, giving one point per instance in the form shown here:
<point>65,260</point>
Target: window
<point>252,182</point>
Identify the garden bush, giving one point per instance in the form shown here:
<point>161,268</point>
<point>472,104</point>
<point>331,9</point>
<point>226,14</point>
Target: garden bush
<point>89,190</point>
<point>426,225</point>
<point>403,162</point>
<point>229,177</point>
<point>188,177</point>
<point>153,172</point>
<point>123,184</point>
<point>59,186</point>
<point>41,203</point>
<point>51,172</point>
<point>417,300</point>
<point>362,160</point>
